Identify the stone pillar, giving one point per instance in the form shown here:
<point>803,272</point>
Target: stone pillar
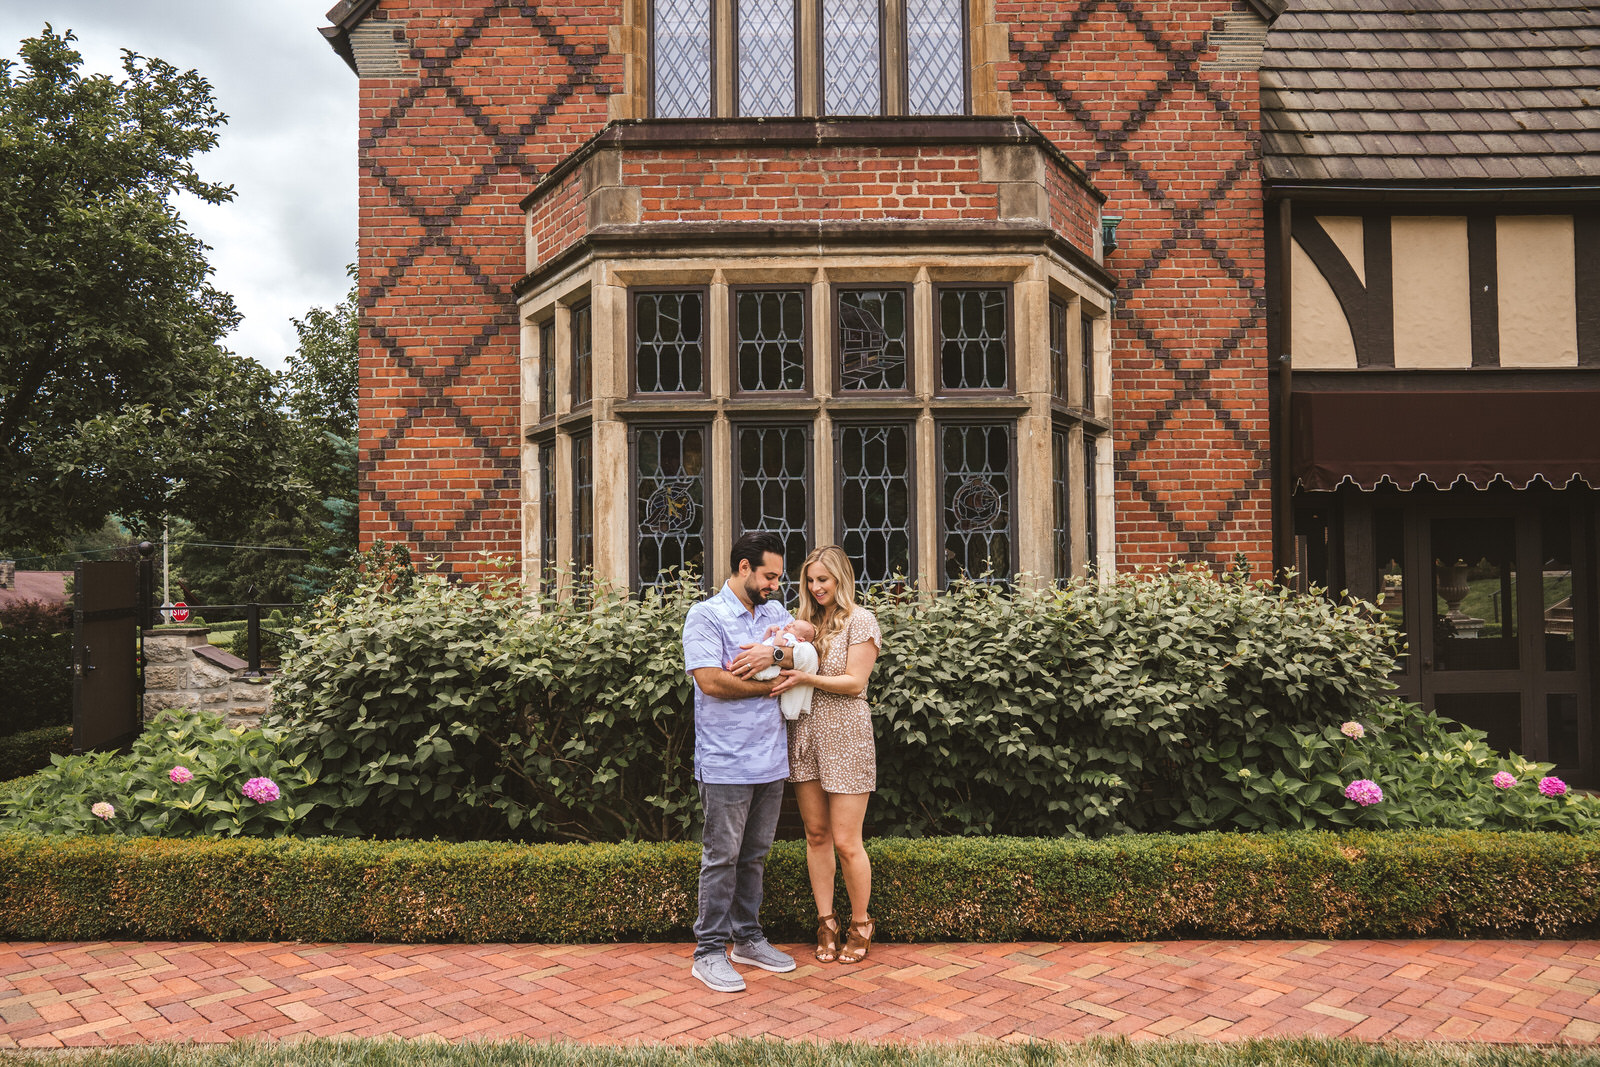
<point>184,672</point>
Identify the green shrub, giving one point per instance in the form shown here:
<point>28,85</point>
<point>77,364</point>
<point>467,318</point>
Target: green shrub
<point>1135,887</point>
<point>25,753</point>
<point>146,800</point>
<point>35,665</point>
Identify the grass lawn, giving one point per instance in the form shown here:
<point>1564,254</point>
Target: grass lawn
<point>1296,1052</point>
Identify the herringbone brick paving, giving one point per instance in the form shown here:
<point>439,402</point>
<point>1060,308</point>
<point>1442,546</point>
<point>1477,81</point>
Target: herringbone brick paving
<point>119,993</point>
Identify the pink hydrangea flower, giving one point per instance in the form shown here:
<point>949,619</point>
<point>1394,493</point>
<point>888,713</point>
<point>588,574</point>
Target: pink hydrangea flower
<point>102,810</point>
<point>1363,791</point>
<point>261,790</point>
<point>1353,730</point>
<point>1504,780</point>
<point>180,775</point>
<point>1552,786</point>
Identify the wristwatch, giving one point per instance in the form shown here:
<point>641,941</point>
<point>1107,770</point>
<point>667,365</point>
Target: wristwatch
<point>777,653</point>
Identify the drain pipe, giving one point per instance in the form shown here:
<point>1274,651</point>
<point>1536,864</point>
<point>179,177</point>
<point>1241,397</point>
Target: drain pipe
<point>1283,517</point>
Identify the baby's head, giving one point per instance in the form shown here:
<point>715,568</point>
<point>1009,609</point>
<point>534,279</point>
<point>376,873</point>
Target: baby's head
<point>802,630</point>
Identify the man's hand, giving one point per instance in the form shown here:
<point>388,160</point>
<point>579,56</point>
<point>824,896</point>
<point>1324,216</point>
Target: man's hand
<point>755,657</point>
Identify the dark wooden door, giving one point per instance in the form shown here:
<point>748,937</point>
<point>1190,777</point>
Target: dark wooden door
<point>105,656</point>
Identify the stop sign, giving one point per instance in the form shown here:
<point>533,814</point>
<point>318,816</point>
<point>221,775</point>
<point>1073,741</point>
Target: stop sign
<point>180,612</point>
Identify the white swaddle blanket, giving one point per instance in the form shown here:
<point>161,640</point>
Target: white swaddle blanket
<point>793,702</point>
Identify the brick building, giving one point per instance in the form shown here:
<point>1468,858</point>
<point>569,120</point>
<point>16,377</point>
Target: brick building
<point>989,286</point>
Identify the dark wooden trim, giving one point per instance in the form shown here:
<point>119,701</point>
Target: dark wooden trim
<point>909,424</point>
<point>836,290</point>
<point>1483,278</point>
<point>1424,194</point>
<point>807,344</point>
<point>633,294</point>
<point>1009,291</point>
<point>1586,282</point>
<point>1490,378</point>
<point>1363,305</point>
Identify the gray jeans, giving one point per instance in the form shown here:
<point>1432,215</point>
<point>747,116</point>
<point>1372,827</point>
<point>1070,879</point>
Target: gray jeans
<point>740,822</point>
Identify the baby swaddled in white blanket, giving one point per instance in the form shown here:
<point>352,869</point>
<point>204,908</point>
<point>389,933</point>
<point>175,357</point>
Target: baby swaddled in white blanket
<point>802,656</point>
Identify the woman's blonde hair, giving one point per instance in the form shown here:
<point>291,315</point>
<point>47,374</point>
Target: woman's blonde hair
<point>830,622</point>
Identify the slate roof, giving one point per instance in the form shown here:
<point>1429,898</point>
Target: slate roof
<point>1445,91</point>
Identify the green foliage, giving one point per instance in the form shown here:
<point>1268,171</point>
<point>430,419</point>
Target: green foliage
<point>26,752</point>
<point>145,800</point>
<point>1134,887</point>
<point>35,666</point>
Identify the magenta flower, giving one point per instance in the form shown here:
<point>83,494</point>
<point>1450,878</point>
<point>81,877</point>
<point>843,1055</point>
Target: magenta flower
<point>261,790</point>
<point>1353,730</point>
<point>1504,780</point>
<point>180,775</point>
<point>1552,786</point>
<point>1363,791</point>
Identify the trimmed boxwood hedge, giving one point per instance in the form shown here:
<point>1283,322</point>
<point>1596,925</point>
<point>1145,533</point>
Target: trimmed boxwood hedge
<point>24,753</point>
<point>1318,884</point>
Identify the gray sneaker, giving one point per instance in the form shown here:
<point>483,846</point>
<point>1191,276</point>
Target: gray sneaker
<point>760,953</point>
<point>715,971</point>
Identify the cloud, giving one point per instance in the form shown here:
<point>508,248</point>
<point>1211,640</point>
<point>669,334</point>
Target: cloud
<point>289,148</point>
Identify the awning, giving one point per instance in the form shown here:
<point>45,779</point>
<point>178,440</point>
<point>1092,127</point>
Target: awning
<point>1408,436</point>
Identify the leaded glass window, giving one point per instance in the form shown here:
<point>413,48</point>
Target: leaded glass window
<point>873,339</point>
<point>1086,360</point>
<point>1061,498</point>
<point>547,369</point>
<point>974,330</point>
<point>582,503</point>
<point>771,330</point>
<point>874,510</point>
<point>852,57</point>
<point>582,356</point>
<point>668,331</point>
<point>680,58</point>
<point>977,502</point>
<point>767,84</point>
<point>547,510</point>
<point>935,74</point>
<point>670,502</point>
<point>1091,449</point>
<point>774,488</point>
<point>1058,349</point>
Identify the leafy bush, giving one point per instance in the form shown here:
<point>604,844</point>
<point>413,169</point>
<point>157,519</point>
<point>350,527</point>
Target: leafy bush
<point>1134,887</point>
<point>185,777</point>
<point>25,753</point>
<point>35,665</point>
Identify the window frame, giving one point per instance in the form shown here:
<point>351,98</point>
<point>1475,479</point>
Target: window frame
<point>707,482</point>
<point>883,64</point>
<point>937,325</point>
<point>578,485</point>
<point>909,423</point>
<point>706,356</point>
<point>940,473</point>
<point>548,356</point>
<point>1061,528</point>
<point>836,291</point>
<point>584,309</point>
<point>747,420</point>
<point>796,24</point>
<point>808,347</point>
<point>548,509</point>
<point>650,59</point>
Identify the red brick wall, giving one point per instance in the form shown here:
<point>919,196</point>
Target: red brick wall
<point>508,89</point>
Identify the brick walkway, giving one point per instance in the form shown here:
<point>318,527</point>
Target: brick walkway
<point>118,993</point>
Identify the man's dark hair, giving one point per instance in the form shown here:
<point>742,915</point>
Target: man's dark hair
<point>754,548</point>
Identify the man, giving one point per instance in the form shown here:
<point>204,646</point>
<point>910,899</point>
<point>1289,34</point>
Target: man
<point>741,758</point>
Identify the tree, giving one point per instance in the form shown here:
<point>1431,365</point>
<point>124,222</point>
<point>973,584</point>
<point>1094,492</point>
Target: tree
<point>115,397</point>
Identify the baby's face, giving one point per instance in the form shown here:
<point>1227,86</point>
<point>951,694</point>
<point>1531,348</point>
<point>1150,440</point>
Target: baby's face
<point>803,631</point>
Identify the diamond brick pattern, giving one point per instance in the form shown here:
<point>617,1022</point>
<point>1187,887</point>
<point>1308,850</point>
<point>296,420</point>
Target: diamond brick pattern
<point>55,995</point>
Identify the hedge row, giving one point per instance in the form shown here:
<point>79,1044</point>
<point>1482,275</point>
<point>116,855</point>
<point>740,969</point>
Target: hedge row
<point>1356,884</point>
<point>27,752</point>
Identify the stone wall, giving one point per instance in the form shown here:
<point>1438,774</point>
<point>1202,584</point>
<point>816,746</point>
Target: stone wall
<point>182,670</point>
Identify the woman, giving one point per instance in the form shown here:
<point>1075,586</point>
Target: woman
<point>832,761</point>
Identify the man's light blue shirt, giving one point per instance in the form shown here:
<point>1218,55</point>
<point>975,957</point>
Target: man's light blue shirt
<point>736,742</point>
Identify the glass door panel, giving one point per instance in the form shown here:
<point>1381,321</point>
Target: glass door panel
<point>1497,714</point>
<point>1559,618</point>
<point>1475,594</point>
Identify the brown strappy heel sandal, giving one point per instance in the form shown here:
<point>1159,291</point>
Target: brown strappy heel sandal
<point>827,939</point>
<point>857,941</point>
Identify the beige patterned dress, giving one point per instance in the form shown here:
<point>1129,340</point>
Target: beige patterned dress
<point>834,743</point>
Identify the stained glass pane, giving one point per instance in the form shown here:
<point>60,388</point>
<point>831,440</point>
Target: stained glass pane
<point>852,57</point>
<point>1091,549</point>
<point>977,503</point>
<point>773,489</point>
<point>1061,494</point>
<point>872,339</point>
<point>875,500</point>
<point>582,356</point>
<point>772,340</point>
<point>680,58</point>
<point>547,369</point>
<point>935,78</point>
<point>547,510</point>
<point>766,57</point>
<point>671,503</point>
<point>667,343</point>
<point>973,328</point>
<point>582,503</point>
<point>1058,349</point>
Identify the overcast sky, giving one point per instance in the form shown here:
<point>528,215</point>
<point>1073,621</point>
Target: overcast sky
<point>289,148</point>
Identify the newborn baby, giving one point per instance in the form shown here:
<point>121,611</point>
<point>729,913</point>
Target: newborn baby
<point>801,655</point>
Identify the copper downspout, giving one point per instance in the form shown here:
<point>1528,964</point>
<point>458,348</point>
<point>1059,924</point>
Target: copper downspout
<point>1283,517</point>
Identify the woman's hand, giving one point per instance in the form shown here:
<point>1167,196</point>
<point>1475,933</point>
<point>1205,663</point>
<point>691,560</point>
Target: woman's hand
<point>788,679</point>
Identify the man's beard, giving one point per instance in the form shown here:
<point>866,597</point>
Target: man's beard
<point>753,590</point>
